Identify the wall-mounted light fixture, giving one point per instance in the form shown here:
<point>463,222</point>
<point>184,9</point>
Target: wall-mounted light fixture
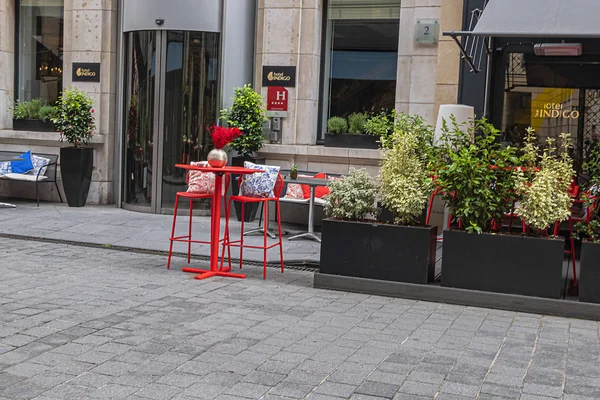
<point>558,49</point>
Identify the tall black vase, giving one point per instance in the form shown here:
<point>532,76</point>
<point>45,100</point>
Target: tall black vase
<point>250,209</point>
<point>76,172</point>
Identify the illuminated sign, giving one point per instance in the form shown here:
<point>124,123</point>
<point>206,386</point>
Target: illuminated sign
<point>555,110</point>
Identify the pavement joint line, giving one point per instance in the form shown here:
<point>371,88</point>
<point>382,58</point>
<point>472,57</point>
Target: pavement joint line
<point>298,265</point>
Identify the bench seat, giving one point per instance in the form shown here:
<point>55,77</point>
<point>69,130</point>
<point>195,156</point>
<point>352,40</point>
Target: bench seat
<point>23,177</point>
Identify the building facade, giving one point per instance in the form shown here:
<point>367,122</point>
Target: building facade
<point>167,68</point>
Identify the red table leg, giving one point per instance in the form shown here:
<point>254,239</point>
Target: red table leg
<point>215,226</point>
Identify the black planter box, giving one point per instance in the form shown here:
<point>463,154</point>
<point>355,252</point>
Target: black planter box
<point>504,264</point>
<point>351,141</point>
<point>378,251</point>
<point>589,276</point>
<point>34,125</point>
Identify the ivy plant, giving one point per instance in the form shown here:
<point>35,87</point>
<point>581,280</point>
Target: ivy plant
<point>75,117</point>
<point>544,192</point>
<point>404,181</point>
<point>247,113</point>
<point>352,197</point>
<point>476,174</point>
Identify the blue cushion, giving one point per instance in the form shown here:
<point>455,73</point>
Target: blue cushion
<point>5,168</point>
<point>22,167</point>
<point>260,184</point>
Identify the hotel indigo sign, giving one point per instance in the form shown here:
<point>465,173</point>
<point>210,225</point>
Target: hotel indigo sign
<point>279,76</point>
<point>86,72</point>
<point>555,110</point>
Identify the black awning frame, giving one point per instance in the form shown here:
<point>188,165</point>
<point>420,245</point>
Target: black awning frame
<point>463,52</point>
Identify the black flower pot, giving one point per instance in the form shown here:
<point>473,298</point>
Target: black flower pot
<point>512,264</point>
<point>250,209</point>
<point>378,251</point>
<point>589,277</point>
<point>76,172</point>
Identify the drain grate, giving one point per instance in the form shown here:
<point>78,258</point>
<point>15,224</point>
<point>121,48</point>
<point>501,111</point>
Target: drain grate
<point>299,265</point>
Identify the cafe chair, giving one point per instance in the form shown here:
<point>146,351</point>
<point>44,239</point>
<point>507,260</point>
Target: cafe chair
<point>273,197</point>
<point>201,185</point>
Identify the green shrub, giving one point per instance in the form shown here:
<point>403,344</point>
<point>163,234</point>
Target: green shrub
<point>356,123</point>
<point>381,124</point>
<point>47,113</point>
<point>27,109</point>
<point>404,181</point>
<point>545,198</point>
<point>351,198</point>
<point>74,119</point>
<point>475,174</point>
<point>336,125</point>
<point>247,113</point>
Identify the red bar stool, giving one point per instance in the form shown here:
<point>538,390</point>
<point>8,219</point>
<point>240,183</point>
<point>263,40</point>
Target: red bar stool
<point>240,243</point>
<point>191,196</point>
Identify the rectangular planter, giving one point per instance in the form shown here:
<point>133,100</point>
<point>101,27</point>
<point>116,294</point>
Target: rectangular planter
<point>351,141</point>
<point>589,276</point>
<point>504,264</point>
<point>378,251</point>
<point>34,125</point>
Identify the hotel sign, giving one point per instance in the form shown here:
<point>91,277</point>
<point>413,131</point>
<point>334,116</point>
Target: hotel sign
<point>279,76</point>
<point>86,72</point>
<point>555,110</point>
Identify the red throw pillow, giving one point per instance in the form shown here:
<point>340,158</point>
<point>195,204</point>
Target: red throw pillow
<point>320,191</point>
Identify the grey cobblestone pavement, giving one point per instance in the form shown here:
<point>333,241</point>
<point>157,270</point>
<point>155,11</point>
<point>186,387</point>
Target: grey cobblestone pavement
<point>81,323</point>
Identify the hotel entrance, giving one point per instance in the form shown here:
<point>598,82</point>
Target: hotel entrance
<point>171,97</point>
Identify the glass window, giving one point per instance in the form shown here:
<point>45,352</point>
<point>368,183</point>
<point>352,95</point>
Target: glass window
<point>40,50</point>
<point>361,56</point>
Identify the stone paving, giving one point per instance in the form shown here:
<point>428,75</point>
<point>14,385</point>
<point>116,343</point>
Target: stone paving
<point>108,225</point>
<point>83,323</point>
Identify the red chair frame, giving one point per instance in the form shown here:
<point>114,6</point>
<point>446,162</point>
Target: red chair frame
<point>265,247</point>
<point>188,238</point>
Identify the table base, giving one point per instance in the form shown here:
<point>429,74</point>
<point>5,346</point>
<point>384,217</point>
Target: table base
<point>261,230</point>
<point>204,274</point>
<point>307,235</point>
<point>7,205</point>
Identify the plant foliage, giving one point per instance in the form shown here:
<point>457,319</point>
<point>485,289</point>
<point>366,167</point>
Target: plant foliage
<point>27,109</point>
<point>404,181</point>
<point>545,191</point>
<point>476,174</point>
<point>381,124</point>
<point>75,117</point>
<point>356,123</point>
<point>336,125</point>
<point>351,198</point>
<point>247,113</point>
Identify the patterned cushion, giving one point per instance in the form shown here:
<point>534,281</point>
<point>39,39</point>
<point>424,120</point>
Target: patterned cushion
<point>294,190</point>
<point>39,164</point>
<point>5,168</point>
<point>320,191</point>
<point>201,182</point>
<point>260,184</point>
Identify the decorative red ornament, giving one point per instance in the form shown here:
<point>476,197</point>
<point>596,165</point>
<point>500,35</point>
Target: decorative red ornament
<point>222,136</point>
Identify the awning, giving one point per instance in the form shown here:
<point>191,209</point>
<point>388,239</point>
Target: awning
<point>537,18</point>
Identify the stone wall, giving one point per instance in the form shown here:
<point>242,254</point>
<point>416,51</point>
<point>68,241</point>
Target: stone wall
<point>7,61</point>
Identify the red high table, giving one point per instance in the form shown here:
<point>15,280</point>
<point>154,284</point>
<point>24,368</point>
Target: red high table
<point>215,219</point>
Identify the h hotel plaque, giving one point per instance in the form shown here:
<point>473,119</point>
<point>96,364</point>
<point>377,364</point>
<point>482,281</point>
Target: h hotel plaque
<point>279,76</point>
<point>86,72</point>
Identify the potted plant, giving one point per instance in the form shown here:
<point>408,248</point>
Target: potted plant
<point>588,231</point>
<point>33,116</point>
<point>480,182</point>
<point>247,113</point>
<point>75,123</point>
<point>294,171</point>
<point>351,133</point>
<point>400,251</point>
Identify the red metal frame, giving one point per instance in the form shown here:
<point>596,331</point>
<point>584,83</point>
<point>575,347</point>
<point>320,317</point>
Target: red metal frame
<point>265,247</point>
<point>216,220</point>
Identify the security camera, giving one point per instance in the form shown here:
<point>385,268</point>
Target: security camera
<point>159,22</point>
